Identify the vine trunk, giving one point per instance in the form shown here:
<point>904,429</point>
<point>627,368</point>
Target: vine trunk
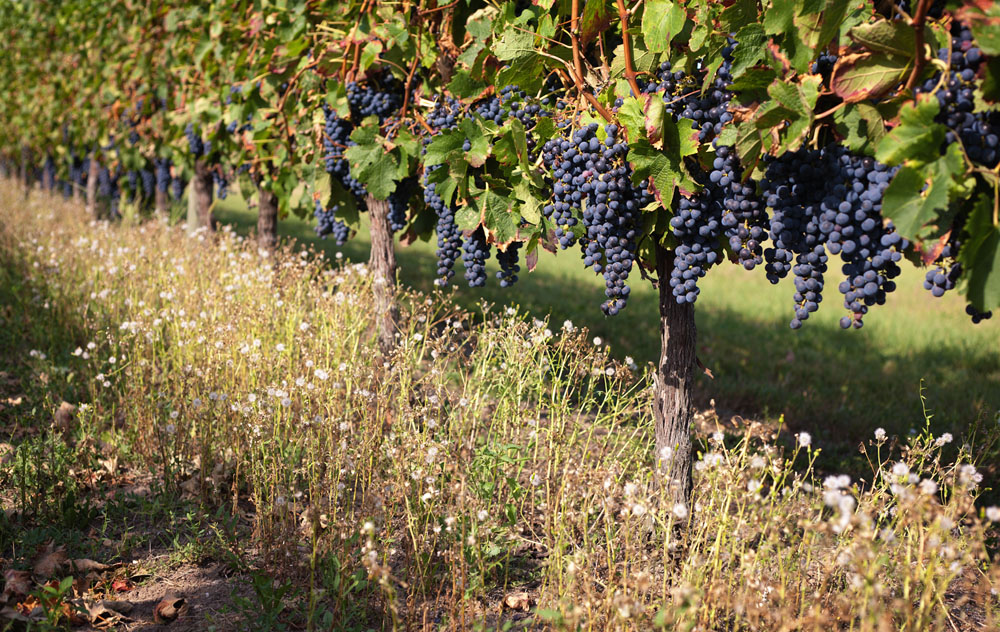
<point>92,175</point>
<point>674,381</point>
<point>267,219</point>
<point>382,264</point>
<point>201,189</point>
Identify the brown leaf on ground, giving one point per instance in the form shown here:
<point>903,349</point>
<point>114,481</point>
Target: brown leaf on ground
<point>84,565</point>
<point>64,417</point>
<point>121,584</point>
<point>16,584</point>
<point>102,614</point>
<point>518,601</point>
<point>169,608</point>
<point>50,559</point>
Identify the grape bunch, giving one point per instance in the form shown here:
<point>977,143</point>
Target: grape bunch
<point>592,181</point>
<point>945,274</point>
<point>830,201</point>
<point>147,182</point>
<point>380,95</point>
<point>328,224</point>
<point>508,264</point>
<point>979,132</point>
<point>477,251</point>
<point>336,139</point>
<point>448,237</point>
<point>221,183</point>
<point>399,202</point>
<point>162,174</point>
<point>197,146</point>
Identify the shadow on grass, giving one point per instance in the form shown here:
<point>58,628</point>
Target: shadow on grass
<point>837,385</point>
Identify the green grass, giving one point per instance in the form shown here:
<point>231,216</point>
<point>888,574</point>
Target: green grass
<point>837,384</point>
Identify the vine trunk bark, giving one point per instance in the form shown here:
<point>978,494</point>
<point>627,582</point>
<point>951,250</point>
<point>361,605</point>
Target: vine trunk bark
<point>201,190</point>
<point>92,175</point>
<point>267,219</point>
<point>674,380</point>
<point>382,264</point>
<point>26,175</point>
<point>161,203</point>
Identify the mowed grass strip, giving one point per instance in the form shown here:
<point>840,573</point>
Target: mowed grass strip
<point>838,384</point>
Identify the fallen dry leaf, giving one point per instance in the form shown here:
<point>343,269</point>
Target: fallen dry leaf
<point>191,486</point>
<point>63,419</point>
<point>16,584</point>
<point>121,584</point>
<point>169,608</point>
<point>103,615</point>
<point>50,559</point>
<point>518,601</point>
<point>89,566</point>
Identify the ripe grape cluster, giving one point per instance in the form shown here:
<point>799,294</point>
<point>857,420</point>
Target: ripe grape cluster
<point>725,207</point>
<point>197,146</point>
<point>336,139</point>
<point>221,182</point>
<point>380,95</point>
<point>147,180</point>
<point>477,251</point>
<point>979,132</point>
<point>328,224</point>
<point>508,264</point>
<point>446,114</point>
<point>162,166</point>
<point>449,239</point>
<point>592,180</point>
<point>830,200</point>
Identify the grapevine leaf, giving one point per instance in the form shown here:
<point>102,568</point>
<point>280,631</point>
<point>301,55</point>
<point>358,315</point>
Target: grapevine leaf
<point>661,21</point>
<point>917,137</point>
<point>861,127</point>
<point>892,37</point>
<point>473,131</point>
<point>515,46</point>
<point>446,146</point>
<point>665,169</point>
<point>818,25</point>
<point>860,76</point>
<point>463,86</point>
<point>632,116</point>
<point>980,256</point>
<point>530,207</point>
<point>374,167</point>
<point>915,195</point>
<point>779,17</point>
<point>497,217</point>
<point>596,18</point>
<point>752,48</point>
<point>738,15</point>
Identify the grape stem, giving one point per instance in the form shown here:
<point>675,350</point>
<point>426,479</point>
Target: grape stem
<point>578,63</point>
<point>918,35</point>
<point>627,43</point>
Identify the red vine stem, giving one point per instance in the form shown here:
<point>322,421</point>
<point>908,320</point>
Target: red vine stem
<point>627,43</point>
<point>918,34</point>
<point>578,65</point>
<point>413,68</point>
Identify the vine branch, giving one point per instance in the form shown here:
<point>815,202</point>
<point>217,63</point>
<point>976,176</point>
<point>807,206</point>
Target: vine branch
<point>919,18</point>
<point>627,43</point>
<point>578,65</point>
